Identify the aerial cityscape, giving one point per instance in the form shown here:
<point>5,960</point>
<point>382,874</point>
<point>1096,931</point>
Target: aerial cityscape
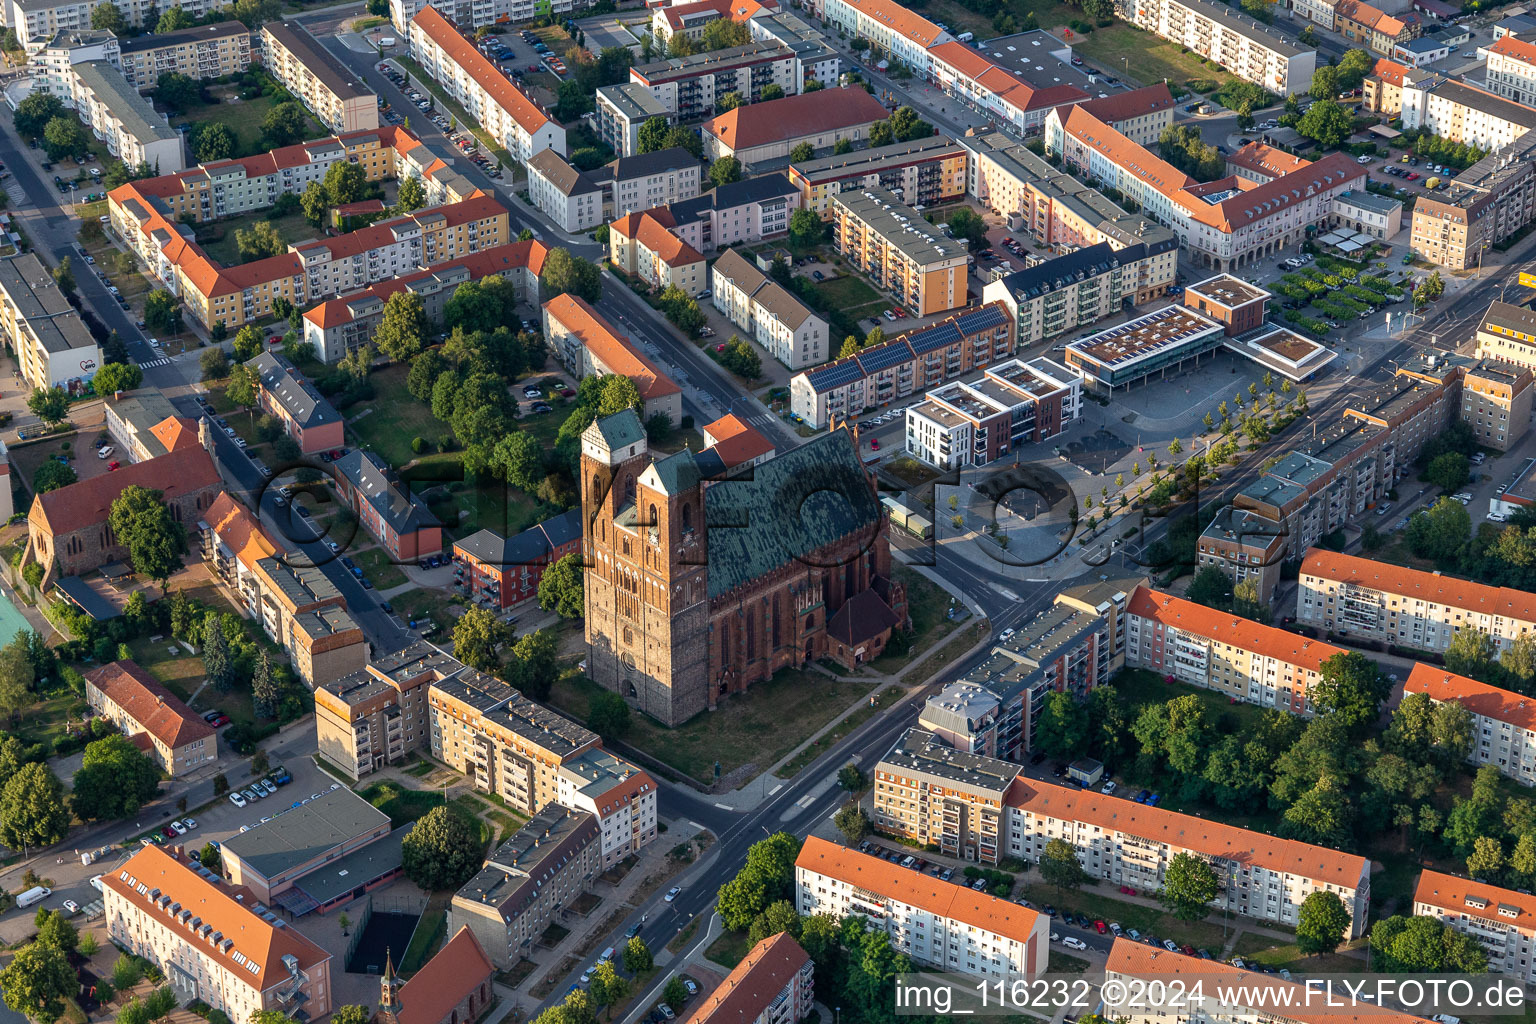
<point>767,511</point>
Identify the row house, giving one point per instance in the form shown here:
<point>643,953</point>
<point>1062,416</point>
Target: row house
<point>1375,29</point>
<point>904,366</point>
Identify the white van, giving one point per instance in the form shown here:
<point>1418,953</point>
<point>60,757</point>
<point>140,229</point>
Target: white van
<point>606,956</point>
<point>36,894</point>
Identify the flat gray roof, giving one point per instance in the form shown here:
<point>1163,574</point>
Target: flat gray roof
<point>367,864</point>
<point>900,225</point>
<point>305,832</point>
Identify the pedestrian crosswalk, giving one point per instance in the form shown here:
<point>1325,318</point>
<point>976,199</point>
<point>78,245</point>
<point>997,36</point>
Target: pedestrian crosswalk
<point>155,362</point>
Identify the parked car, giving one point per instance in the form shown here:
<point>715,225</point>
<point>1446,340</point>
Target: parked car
<point>673,893</point>
<point>238,799</point>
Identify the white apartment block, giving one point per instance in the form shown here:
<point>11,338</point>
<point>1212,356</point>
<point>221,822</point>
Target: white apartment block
<point>1459,112</point>
<point>126,122</point>
<point>1222,994</point>
<point>1502,921</point>
<point>1126,843</point>
<point>37,21</point>
<point>565,195</point>
<point>200,52</point>
<point>621,112</point>
<point>1215,31</point>
<point>973,423</point>
<point>1368,600</point>
<point>321,82</point>
<point>53,63</point>
<point>52,347</point>
<point>471,14</point>
<point>1512,70</point>
<point>770,315</point>
<point>1503,722</point>
<point>892,30</point>
<point>1243,659</point>
<point>941,924</point>
<point>621,796</point>
<point>209,945</point>
<point>489,96</point>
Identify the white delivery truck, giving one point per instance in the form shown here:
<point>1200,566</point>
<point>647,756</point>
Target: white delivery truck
<point>36,894</point>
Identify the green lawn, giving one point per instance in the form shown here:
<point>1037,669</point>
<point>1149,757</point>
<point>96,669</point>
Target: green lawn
<point>244,117</point>
<point>728,950</point>
<point>1267,951</point>
<point>218,237</point>
<point>847,291</point>
<point>926,603</point>
<point>380,568</point>
<point>1138,686</point>
<point>182,674</point>
<point>428,936</point>
<point>754,728</point>
<point>1123,49</point>
<point>884,699</point>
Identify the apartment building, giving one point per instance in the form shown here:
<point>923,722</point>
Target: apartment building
<point>1229,995</point>
<point>1126,843</point>
<point>386,507</point>
<point>232,954</point>
<point>922,172</point>
<point>929,792</point>
<point>644,246</point>
<point>900,251</point>
<point>740,213</point>
<point>51,65</point>
<point>1065,648</point>
<point>1502,921</point>
<point>1459,112</point>
<point>127,123</point>
<point>768,131</point>
<point>341,325</point>
<point>621,112</point>
<point>1507,335</point>
<point>939,924</point>
<point>1237,657</point>
<point>1222,223</point>
<point>146,425</point>
<point>378,715</point>
<point>1367,600</point>
<point>136,702</point>
<point>690,18</point>
<point>690,88</point>
<point>1511,70</point>
<point>1503,722</point>
<point>815,59</point>
<point>504,572</point>
<point>973,423</point>
<point>773,984</point>
<point>1373,28</point>
<point>532,757</point>
<point>587,344</point>
<point>472,14</point>
<point>1138,114</point>
<point>891,30</point>
<point>527,882</point>
<point>51,345</point>
<point>490,97</point>
<point>200,52</point>
<point>1260,163</point>
<point>1004,95</point>
<point>1252,52</point>
<point>300,608</point>
<point>1382,90</point>
<point>903,366</point>
<point>580,200</point>
<point>1496,403</point>
<point>1487,203</point>
<point>1081,287</point>
<point>39,21</point>
<point>767,312</point>
<point>309,271</point>
<point>324,84</point>
<point>306,417</point>
<point>962,716</point>
<point>1245,545</point>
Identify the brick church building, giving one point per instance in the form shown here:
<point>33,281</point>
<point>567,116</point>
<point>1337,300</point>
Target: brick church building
<point>700,581</point>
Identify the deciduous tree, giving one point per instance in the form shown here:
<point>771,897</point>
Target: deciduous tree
<point>115,779</point>
<point>32,809</point>
<point>561,588</point>
<point>1060,867</point>
<point>1189,886</point>
<point>39,979</point>
<point>144,525</point>
<point>442,850</point>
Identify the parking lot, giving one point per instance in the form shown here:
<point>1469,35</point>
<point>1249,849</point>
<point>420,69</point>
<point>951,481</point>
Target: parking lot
<point>458,134</point>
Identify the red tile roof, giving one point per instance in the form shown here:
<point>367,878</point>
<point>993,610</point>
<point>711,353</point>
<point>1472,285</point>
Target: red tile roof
<point>1267,160</point>
<point>735,442</point>
<point>1389,71</point>
<point>1335,171</point>
<point>650,229</point>
<point>1450,894</point>
<point>1269,641</point>
<point>736,10</point>
<point>240,531</point>
<point>608,347</point>
<point>1479,698</point>
<point>794,117</point>
<point>1007,85</point>
<point>758,979</point>
<point>88,502</point>
<point>1420,585</point>
<point>498,259</point>
<point>943,899</point>
<point>1518,49</point>
<point>1122,106</point>
<point>1370,17</point>
<point>176,432</point>
<point>1282,999</point>
<point>446,980</point>
<point>528,115</point>
<point>1094,133</point>
<point>899,19</point>
<point>157,710</point>
<point>1187,832</point>
<point>257,943</point>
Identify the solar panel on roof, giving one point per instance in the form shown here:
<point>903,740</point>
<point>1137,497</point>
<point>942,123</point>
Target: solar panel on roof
<point>835,376</point>
<point>987,316</point>
<point>883,357</point>
<point>933,337</point>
